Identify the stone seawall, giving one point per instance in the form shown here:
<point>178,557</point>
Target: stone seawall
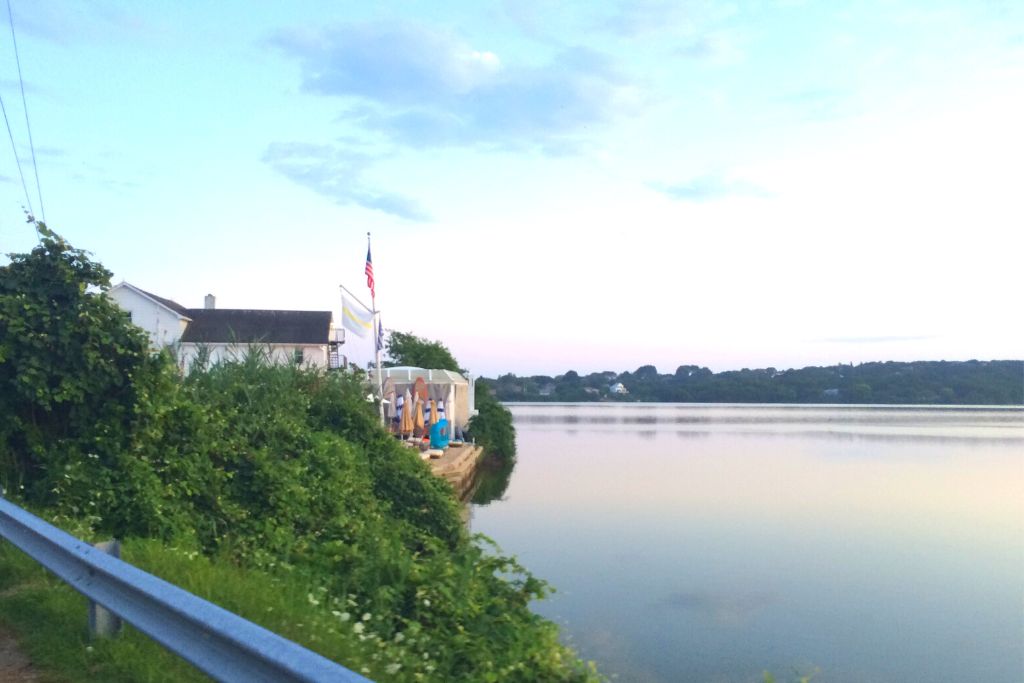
<point>457,466</point>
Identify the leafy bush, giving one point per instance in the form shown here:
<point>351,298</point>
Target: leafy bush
<point>492,426</point>
<point>276,470</point>
<point>75,381</point>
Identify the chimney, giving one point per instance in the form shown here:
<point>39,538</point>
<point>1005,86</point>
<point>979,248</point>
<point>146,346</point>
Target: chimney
<point>210,302</point>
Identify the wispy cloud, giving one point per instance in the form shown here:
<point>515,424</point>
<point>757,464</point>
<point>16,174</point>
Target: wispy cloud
<point>68,23</point>
<point>336,173</point>
<point>639,18</point>
<point>716,48</point>
<point>709,188</point>
<point>426,87</point>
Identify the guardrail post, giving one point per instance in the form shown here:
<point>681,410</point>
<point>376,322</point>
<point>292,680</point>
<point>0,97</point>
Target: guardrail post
<point>225,646</point>
<point>102,622</point>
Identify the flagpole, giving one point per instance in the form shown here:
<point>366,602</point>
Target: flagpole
<point>354,297</point>
<point>376,338</point>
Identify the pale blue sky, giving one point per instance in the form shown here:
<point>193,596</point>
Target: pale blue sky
<point>549,186</point>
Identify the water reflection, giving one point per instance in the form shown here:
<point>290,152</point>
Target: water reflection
<point>720,608</point>
<point>714,542</point>
<point>968,423</point>
<point>490,480</point>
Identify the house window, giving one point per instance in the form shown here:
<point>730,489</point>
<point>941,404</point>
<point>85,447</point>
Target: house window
<point>298,356</point>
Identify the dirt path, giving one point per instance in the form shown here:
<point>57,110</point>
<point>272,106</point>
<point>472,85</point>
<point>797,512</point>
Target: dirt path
<point>14,665</point>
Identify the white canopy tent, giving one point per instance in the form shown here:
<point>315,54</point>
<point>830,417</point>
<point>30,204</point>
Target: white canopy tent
<point>455,390</point>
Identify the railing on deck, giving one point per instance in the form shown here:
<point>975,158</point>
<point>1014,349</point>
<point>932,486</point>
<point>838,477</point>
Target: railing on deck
<point>220,643</point>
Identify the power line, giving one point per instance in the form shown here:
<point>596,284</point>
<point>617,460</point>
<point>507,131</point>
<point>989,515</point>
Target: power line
<point>24,105</point>
<point>17,161</point>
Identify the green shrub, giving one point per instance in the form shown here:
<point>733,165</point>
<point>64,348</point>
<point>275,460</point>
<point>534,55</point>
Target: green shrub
<point>492,426</point>
<point>277,472</point>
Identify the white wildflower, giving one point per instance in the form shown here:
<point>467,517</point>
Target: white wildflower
<point>393,668</point>
<point>358,627</point>
<point>367,616</point>
<point>312,599</point>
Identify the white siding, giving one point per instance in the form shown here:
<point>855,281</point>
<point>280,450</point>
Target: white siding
<point>163,325</point>
<point>312,355</point>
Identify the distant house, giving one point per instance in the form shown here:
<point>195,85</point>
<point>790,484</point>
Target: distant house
<point>214,334</point>
<point>618,388</point>
<point>830,393</point>
<point>546,389</point>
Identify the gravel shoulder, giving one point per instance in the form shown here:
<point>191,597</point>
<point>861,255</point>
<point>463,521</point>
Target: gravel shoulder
<point>15,667</point>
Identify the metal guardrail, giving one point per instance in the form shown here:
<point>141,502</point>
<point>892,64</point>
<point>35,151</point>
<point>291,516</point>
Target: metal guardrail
<point>218,642</point>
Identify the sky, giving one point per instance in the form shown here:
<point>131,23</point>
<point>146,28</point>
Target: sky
<point>549,186</point>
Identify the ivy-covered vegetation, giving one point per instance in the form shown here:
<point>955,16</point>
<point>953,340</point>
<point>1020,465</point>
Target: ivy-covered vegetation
<point>278,473</point>
<point>974,382</point>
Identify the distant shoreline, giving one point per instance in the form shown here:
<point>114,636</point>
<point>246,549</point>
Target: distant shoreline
<point>916,383</point>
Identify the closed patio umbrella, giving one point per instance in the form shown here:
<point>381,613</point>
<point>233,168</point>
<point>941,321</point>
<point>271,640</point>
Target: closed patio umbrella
<point>450,403</point>
<point>407,422</point>
<point>393,405</point>
<point>418,418</point>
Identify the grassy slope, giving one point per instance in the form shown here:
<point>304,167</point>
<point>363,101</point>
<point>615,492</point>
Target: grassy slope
<point>292,509</point>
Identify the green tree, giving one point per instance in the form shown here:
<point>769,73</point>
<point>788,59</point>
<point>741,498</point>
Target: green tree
<point>492,426</point>
<point>408,349</point>
<point>75,380</point>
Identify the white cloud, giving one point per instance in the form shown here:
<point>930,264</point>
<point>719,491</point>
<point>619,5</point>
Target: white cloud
<point>423,87</point>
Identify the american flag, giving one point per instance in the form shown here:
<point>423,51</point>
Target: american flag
<point>369,274</point>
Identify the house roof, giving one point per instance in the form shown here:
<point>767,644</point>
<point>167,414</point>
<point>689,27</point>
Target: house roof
<point>241,326</point>
<point>173,306</point>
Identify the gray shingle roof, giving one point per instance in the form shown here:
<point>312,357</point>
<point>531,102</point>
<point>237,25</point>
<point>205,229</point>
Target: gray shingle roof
<point>173,305</point>
<point>241,326</point>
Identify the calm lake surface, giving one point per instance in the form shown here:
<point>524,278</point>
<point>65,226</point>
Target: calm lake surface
<point>714,542</point>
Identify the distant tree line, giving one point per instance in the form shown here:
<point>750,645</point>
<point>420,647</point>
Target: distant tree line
<point>996,382</point>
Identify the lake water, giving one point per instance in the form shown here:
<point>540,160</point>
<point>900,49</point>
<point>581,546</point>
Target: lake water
<point>716,542</point>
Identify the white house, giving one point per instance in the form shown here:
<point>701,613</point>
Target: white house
<point>215,334</point>
<point>162,319</point>
<point>618,388</point>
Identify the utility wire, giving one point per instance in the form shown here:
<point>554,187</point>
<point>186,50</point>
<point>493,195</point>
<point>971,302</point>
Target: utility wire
<point>17,161</point>
<point>24,104</point>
